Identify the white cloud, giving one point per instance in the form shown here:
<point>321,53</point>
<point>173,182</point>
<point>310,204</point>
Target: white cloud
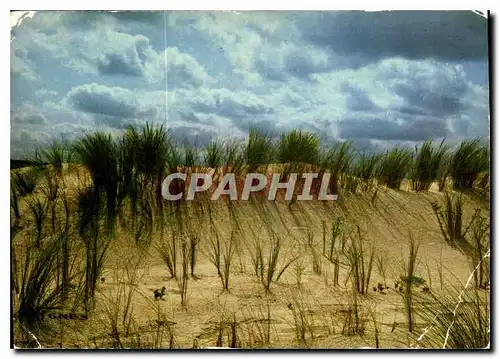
<point>102,50</point>
<point>21,65</point>
<point>226,73</point>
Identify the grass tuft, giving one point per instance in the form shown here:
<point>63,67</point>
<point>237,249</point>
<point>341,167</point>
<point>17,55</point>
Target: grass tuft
<point>298,148</point>
<point>456,319</point>
<point>360,263</point>
<point>365,166</point>
<point>394,166</point>
<point>451,220</point>
<point>409,280</point>
<point>468,161</point>
<point>259,150</point>
<point>24,181</point>
<point>428,161</point>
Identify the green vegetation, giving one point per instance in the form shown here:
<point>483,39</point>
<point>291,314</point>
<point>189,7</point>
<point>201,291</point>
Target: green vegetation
<point>451,219</point>
<point>24,182</point>
<point>56,155</point>
<point>298,148</point>
<point>427,163</point>
<point>456,319</point>
<point>214,154</point>
<point>259,150</point>
<point>409,281</point>
<point>337,160</point>
<point>365,166</point>
<point>394,167</point>
<point>467,162</point>
<point>360,263</point>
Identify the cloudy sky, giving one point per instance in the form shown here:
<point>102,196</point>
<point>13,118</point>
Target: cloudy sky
<point>377,78</point>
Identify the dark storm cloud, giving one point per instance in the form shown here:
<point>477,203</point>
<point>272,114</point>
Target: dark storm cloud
<point>268,127</point>
<point>128,59</point>
<point>234,106</point>
<point>86,19</point>
<point>301,64</point>
<point>365,145</point>
<point>118,64</point>
<point>183,70</point>
<point>384,129</point>
<point>444,35</point>
<point>187,116</point>
<point>278,63</point>
<point>117,122</point>
<point>147,17</point>
<point>427,87</point>
<point>410,110</point>
<point>232,109</point>
<point>269,72</point>
<point>75,20</point>
<point>435,100</point>
<point>31,119</point>
<point>358,99</point>
<point>182,75</point>
<point>192,135</point>
<point>108,101</point>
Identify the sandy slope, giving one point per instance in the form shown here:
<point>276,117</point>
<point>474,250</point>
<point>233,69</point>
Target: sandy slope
<point>386,220</point>
<point>387,223</point>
